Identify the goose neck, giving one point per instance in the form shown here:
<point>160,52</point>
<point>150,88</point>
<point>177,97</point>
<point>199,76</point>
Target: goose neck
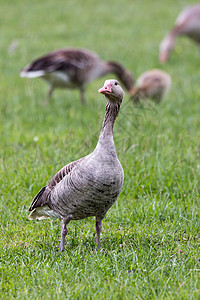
<point>112,111</point>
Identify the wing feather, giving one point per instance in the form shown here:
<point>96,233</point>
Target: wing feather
<point>62,60</point>
<point>42,197</point>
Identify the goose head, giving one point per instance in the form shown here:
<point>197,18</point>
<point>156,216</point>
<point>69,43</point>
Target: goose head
<point>166,47</point>
<point>112,91</point>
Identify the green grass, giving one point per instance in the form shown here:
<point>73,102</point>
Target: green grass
<point>157,212</point>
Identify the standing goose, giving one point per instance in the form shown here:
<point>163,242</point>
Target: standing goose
<point>188,24</point>
<point>88,186</point>
<point>74,68</point>
<point>152,84</point>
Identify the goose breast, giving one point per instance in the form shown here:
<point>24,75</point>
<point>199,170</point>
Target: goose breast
<point>89,190</point>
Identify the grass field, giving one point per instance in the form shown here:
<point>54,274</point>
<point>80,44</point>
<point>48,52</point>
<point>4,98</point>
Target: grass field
<point>150,237</point>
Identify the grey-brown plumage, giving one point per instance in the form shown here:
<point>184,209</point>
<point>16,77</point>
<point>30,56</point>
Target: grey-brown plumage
<point>74,68</point>
<point>89,186</point>
<point>153,84</point>
<point>187,24</point>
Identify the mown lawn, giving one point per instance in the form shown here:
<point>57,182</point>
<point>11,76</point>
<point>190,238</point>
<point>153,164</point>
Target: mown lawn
<point>150,237</point>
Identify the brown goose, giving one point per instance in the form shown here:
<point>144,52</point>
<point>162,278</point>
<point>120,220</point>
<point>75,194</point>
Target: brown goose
<point>188,24</point>
<point>152,84</point>
<point>89,186</point>
<point>74,68</point>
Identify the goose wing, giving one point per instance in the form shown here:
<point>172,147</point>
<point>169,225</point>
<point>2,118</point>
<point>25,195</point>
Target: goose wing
<point>41,198</point>
<point>62,60</point>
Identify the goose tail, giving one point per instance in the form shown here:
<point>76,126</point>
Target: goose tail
<point>31,74</point>
<point>39,208</point>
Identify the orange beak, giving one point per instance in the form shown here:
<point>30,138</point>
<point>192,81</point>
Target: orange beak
<point>106,89</point>
<point>163,58</point>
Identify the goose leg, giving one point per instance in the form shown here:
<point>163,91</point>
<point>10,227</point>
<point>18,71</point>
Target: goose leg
<point>82,90</point>
<point>64,231</point>
<point>98,231</point>
<point>49,94</point>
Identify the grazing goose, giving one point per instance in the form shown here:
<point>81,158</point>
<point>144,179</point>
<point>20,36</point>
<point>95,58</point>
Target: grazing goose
<point>152,84</point>
<point>188,24</point>
<point>74,68</point>
<point>88,186</point>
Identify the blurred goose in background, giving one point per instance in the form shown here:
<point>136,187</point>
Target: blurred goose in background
<point>88,186</point>
<point>74,68</point>
<point>152,84</point>
<point>188,24</point>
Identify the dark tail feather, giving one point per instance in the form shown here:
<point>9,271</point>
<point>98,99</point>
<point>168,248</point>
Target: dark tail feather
<point>38,200</point>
